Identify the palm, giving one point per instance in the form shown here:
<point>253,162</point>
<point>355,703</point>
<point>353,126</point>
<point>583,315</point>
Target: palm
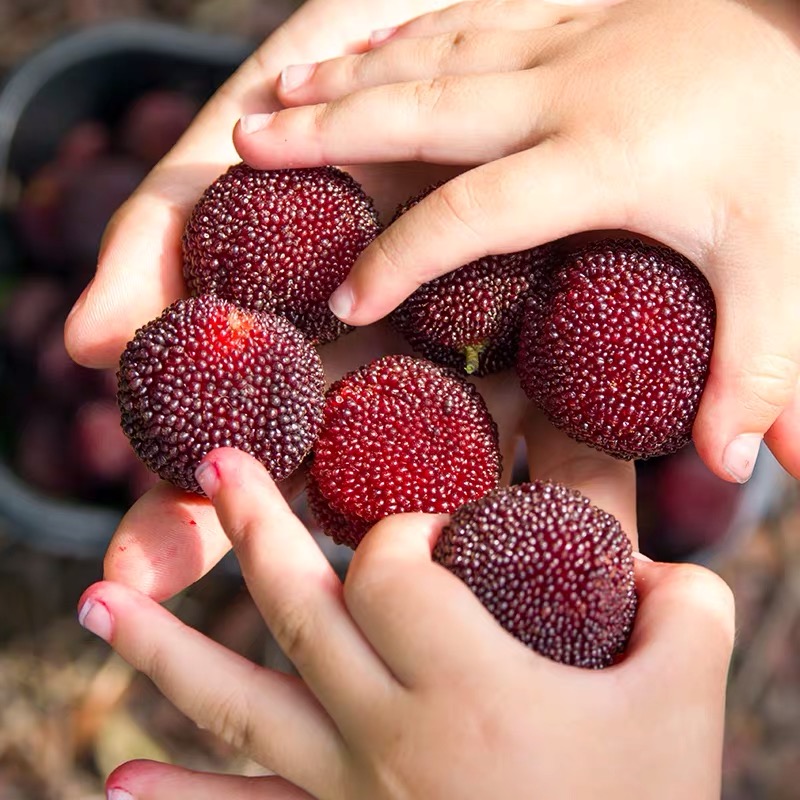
<point>169,539</point>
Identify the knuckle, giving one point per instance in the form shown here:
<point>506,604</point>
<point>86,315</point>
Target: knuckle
<point>428,94</point>
<point>292,625</point>
<point>323,116</point>
<point>463,205</point>
<point>229,717</point>
<point>770,381</point>
<point>390,253</point>
<point>358,69</point>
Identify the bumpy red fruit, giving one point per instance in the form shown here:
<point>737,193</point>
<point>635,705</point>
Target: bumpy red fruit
<point>207,374</point>
<point>617,345</point>
<point>279,241</point>
<point>554,570</point>
<point>403,434</point>
<point>470,318</point>
<point>342,528</point>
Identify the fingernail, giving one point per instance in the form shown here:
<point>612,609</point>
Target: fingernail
<point>96,618</point>
<point>740,456</point>
<point>253,123</point>
<point>642,557</point>
<point>341,302</point>
<point>207,475</point>
<point>118,794</point>
<point>296,75</point>
<point>381,35</point>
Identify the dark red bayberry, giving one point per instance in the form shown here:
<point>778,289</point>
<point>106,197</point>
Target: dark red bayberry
<point>554,570</point>
<point>207,374</point>
<point>616,347</point>
<point>403,434</point>
<point>279,241</point>
<point>342,528</point>
<point>470,318</point>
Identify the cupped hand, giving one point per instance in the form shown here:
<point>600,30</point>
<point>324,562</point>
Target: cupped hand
<point>407,687</point>
<point>170,539</point>
<point>675,119</point>
<point>139,269</point>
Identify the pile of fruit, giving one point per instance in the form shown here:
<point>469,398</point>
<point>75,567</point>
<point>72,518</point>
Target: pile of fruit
<point>612,340</point>
<point>64,436</point>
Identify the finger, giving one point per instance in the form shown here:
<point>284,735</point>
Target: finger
<point>755,364</point>
<point>169,539</point>
<point>397,595</point>
<point>608,482</point>
<point>678,656</point>
<point>139,269</point>
<point>461,120</point>
<point>686,619</point>
<point>504,206</point>
<point>151,780</point>
<point>270,716</point>
<point>783,437</point>
<point>407,60</point>
<point>483,15</point>
<point>294,586</point>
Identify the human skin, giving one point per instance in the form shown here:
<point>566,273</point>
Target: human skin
<point>169,539</point>
<point>139,267</point>
<point>675,119</point>
<point>408,688</point>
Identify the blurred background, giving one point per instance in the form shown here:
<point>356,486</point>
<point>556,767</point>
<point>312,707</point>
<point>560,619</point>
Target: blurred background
<point>92,94</point>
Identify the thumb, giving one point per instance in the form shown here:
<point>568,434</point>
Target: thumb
<point>685,620</point>
<point>754,366</point>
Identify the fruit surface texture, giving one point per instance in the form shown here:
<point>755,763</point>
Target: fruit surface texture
<point>403,434</point>
<point>554,570</point>
<point>206,374</point>
<point>470,318</point>
<point>617,345</point>
<point>279,241</point>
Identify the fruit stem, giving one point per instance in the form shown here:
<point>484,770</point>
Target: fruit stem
<point>472,354</point>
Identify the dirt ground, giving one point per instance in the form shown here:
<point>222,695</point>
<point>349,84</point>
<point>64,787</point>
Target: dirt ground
<point>70,711</point>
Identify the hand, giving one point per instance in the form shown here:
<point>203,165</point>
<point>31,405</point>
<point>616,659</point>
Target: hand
<point>170,539</point>
<point>675,119</point>
<point>409,688</point>
<point>139,267</point>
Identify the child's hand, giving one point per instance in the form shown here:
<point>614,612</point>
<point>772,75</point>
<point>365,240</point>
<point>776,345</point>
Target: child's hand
<point>676,119</point>
<point>139,269</point>
<point>409,688</point>
<point>170,538</point>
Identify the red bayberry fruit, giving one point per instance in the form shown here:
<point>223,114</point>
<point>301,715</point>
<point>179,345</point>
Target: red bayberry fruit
<point>342,528</point>
<point>207,374</point>
<point>617,345</point>
<point>554,570</point>
<point>403,434</point>
<point>470,318</point>
<point>279,241</point>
